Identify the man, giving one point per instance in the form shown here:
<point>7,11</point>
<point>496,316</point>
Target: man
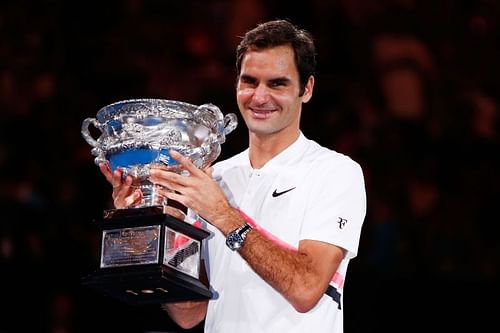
<point>286,213</point>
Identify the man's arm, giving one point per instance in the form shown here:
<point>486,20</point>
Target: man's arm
<point>301,276</point>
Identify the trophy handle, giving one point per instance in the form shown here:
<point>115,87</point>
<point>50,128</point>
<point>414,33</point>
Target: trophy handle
<point>230,123</point>
<point>225,125</point>
<point>85,131</point>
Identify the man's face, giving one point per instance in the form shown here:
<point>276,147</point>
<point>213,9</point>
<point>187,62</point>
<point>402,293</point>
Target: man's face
<point>267,91</point>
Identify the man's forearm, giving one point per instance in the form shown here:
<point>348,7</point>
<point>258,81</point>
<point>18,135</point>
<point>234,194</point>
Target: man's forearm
<point>301,275</point>
<point>294,274</point>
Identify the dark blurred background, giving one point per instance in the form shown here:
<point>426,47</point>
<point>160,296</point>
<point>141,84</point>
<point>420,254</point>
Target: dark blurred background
<point>409,89</point>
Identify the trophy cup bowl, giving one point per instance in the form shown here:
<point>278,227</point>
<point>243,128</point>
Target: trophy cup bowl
<point>148,256</point>
<point>138,133</point>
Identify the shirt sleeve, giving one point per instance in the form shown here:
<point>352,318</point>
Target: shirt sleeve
<point>336,206</point>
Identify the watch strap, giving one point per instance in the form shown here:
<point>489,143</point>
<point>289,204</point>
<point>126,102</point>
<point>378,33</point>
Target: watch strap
<point>244,230</point>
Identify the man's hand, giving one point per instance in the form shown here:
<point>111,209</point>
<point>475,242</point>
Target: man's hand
<point>124,195</point>
<point>197,190</point>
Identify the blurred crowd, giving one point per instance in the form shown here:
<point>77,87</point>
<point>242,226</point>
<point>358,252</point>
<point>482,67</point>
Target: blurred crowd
<point>409,89</point>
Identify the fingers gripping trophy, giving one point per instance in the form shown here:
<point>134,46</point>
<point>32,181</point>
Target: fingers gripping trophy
<point>148,256</point>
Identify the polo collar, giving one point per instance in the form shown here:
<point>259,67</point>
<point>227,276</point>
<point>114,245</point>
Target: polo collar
<point>289,156</point>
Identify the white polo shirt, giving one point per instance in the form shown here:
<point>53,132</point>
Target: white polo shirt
<point>305,192</point>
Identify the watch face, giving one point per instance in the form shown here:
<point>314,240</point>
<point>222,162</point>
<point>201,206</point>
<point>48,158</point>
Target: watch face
<point>234,241</point>
<point>236,238</point>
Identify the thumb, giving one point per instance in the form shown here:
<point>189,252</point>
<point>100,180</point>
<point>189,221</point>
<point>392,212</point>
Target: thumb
<point>209,171</point>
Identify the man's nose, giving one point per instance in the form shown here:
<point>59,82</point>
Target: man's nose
<point>261,93</point>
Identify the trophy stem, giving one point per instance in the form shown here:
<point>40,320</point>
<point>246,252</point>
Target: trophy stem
<point>152,194</point>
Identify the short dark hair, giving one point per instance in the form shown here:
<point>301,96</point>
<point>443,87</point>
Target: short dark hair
<point>281,32</point>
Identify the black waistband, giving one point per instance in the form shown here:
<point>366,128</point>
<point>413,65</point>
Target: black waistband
<point>334,294</point>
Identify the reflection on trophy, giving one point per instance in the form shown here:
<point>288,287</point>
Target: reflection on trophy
<point>148,256</point>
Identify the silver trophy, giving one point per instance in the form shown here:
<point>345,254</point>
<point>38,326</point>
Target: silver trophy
<point>148,256</point>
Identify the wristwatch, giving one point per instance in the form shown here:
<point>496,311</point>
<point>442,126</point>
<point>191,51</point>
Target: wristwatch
<point>236,238</point>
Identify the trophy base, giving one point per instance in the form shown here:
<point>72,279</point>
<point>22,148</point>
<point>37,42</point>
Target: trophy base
<point>152,284</point>
<point>148,257</point>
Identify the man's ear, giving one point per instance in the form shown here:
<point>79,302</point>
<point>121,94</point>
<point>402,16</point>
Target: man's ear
<point>308,90</point>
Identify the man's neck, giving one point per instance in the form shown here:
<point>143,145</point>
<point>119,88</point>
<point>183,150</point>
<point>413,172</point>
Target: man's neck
<point>263,148</point>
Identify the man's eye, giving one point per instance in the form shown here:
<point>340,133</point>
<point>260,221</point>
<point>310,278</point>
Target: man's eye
<point>247,80</point>
<point>277,83</point>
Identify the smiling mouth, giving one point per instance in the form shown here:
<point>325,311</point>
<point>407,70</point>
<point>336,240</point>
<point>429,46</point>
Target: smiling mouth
<point>260,113</point>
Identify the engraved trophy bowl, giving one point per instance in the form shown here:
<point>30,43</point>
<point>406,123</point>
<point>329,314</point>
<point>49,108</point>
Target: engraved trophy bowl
<point>147,256</point>
<point>138,133</point>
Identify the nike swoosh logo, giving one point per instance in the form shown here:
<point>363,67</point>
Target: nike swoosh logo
<point>277,194</point>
